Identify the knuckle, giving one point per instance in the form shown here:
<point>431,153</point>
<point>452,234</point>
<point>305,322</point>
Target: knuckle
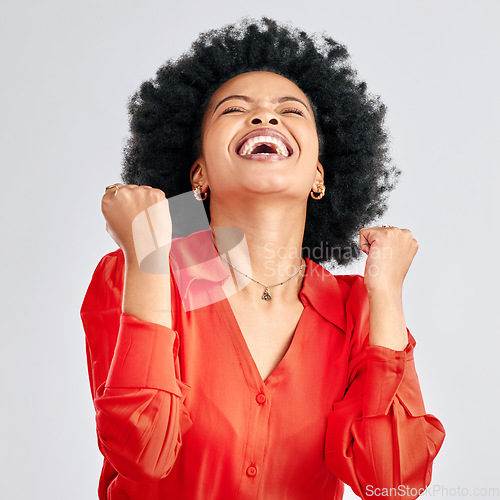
<point>158,192</point>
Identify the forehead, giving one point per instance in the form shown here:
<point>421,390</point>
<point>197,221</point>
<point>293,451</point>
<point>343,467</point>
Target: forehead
<point>261,83</point>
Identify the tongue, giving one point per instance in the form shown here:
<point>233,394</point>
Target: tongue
<point>263,148</point>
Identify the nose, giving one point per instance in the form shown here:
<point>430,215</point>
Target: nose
<point>263,115</point>
<point>272,121</point>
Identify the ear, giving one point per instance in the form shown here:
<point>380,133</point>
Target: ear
<point>197,174</point>
<point>320,174</point>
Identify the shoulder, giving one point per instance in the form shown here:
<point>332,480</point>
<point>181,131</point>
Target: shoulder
<point>325,281</point>
<point>354,286</point>
<point>111,266</point>
<point>336,297</point>
<point>106,285</point>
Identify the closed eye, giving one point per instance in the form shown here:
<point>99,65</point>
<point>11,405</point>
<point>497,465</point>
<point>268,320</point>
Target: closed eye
<point>290,110</point>
<point>230,110</point>
<point>294,110</point>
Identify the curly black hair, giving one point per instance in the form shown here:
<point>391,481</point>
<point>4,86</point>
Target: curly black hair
<point>166,115</point>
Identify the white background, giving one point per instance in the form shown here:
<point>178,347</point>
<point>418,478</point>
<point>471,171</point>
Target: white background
<point>68,69</point>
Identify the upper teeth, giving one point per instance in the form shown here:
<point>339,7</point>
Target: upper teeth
<point>249,145</point>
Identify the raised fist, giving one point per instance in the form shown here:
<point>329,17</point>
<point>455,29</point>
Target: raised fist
<point>390,253</point>
<point>138,219</point>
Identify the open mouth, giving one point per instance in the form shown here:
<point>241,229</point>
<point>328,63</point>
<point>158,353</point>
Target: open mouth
<point>264,145</point>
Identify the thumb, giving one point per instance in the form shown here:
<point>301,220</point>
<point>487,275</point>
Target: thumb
<point>364,242</point>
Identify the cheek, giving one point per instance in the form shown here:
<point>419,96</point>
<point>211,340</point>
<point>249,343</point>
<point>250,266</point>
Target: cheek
<point>312,143</point>
<point>216,140</point>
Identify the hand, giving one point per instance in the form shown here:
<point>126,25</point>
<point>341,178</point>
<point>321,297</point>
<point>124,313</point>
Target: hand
<point>132,214</point>
<point>390,253</point>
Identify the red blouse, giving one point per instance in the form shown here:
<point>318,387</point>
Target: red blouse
<point>183,413</point>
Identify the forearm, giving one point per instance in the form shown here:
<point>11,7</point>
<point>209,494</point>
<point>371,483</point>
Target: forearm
<point>387,322</point>
<point>147,295</point>
<point>141,445</point>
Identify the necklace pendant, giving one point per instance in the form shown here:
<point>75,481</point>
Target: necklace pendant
<point>266,295</point>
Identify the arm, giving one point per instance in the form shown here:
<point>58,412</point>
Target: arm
<point>133,371</point>
<point>132,350</point>
<point>379,435</point>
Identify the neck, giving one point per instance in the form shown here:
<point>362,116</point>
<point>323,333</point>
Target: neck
<point>273,250</point>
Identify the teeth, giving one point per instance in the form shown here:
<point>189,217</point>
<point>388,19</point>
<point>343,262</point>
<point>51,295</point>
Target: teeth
<point>249,145</point>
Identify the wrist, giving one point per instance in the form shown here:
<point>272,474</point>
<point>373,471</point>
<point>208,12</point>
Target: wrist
<point>385,293</point>
<point>387,323</point>
<point>131,261</point>
<point>154,263</point>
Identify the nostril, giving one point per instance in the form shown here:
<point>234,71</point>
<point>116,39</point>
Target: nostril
<point>273,121</point>
<point>256,120</point>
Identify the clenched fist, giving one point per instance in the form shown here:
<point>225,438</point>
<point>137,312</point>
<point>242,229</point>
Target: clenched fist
<point>138,219</point>
<point>390,253</point>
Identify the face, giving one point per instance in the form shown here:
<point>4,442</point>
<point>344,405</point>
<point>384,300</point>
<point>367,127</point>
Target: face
<point>259,136</point>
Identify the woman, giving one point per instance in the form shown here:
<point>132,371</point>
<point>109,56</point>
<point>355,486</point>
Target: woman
<point>248,371</point>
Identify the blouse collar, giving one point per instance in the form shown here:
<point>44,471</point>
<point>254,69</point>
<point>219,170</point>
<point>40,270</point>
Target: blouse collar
<point>196,265</point>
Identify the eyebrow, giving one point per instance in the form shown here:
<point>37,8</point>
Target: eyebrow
<point>248,99</point>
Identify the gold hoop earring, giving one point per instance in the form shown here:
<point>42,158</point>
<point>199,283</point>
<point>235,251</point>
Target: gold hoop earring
<point>322,189</point>
<point>197,194</point>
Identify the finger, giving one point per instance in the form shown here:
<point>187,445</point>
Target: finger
<point>113,189</point>
<point>414,246</point>
<point>365,248</point>
<point>125,186</point>
<point>364,244</point>
<point>368,235</point>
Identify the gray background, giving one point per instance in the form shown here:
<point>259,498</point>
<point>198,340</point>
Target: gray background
<point>67,71</point>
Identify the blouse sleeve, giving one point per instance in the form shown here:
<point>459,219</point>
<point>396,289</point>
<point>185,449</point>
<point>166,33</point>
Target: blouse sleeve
<point>379,439</point>
<point>134,377</point>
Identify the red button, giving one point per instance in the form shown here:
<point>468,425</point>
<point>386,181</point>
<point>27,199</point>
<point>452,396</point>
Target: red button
<point>261,398</point>
<point>251,471</point>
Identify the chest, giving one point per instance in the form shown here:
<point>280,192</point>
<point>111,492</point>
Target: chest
<point>267,334</point>
<point>237,417</point>
<point>227,350</point>
<point>276,426</point>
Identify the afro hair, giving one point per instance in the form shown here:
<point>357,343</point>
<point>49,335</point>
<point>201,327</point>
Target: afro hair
<point>166,115</point>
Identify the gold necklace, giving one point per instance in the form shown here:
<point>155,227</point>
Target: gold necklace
<point>266,295</point>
